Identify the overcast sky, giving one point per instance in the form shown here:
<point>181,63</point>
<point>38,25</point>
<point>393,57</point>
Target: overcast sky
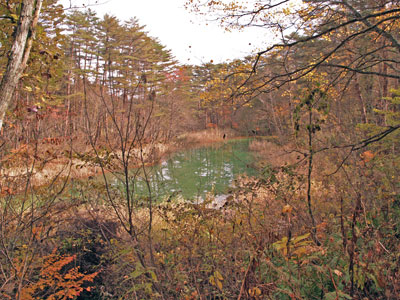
<point>188,36</point>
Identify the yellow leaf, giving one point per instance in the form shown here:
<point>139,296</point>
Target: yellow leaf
<point>257,291</point>
<point>338,273</point>
<point>219,284</point>
<point>300,238</point>
<point>287,209</point>
<point>218,275</point>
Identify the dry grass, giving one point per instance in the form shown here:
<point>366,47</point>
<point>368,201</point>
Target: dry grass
<point>205,136</point>
<point>274,154</point>
<point>46,162</point>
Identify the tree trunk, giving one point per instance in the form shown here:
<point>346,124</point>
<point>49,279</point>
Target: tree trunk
<point>18,57</point>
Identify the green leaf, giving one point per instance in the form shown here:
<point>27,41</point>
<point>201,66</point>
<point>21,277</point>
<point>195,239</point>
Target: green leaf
<point>153,276</point>
<point>280,244</point>
<point>345,296</point>
<point>299,238</point>
<point>332,296</point>
<point>136,274</point>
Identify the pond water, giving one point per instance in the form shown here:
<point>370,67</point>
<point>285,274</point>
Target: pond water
<point>196,172</point>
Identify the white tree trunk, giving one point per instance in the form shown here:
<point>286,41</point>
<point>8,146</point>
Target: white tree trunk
<point>19,53</point>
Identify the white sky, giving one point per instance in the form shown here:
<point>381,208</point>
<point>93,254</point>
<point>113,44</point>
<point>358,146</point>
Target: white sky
<point>185,34</point>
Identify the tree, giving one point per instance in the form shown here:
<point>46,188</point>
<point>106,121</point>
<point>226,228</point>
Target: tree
<point>349,50</point>
<point>19,54</point>
<point>347,37</point>
<point>352,47</point>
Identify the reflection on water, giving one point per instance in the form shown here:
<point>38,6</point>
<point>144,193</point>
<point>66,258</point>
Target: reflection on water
<point>195,172</point>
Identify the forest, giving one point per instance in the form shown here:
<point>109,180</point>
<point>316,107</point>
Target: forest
<point>91,107</point>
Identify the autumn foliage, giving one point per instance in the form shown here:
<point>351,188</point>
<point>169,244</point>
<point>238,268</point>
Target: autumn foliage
<point>101,102</point>
<point>57,280</point>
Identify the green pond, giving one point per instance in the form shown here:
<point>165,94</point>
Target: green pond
<point>194,173</point>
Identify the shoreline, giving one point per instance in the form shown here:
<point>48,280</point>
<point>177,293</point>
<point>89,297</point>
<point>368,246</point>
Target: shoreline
<point>42,170</point>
